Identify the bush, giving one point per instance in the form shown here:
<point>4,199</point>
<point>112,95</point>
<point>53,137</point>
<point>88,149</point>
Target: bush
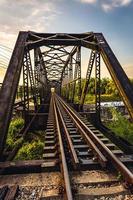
<point>121,126</point>
<point>104,98</point>
<point>14,128</point>
<point>30,151</point>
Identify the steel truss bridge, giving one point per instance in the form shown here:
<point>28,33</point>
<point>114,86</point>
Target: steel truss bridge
<point>53,60</point>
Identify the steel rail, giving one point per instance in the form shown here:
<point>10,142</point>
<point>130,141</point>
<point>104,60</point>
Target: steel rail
<point>127,174</point>
<point>75,159</point>
<point>64,168</point>
<point>96,151</point>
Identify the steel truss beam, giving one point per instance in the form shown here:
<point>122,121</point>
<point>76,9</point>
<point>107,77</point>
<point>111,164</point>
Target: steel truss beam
<point>25,85</point>
<point>88,75</point>
<point>74,50</point>
<point>78,63</point>
<point>42,63</point>
<point>85,40</point>
<point>97,85</point>
<point>9,87</point>
<point>77,75</point>
<point>31,77</point>
<point>70,77</point>
<point>74,83</point>
<point>37,73</point>
<point>118,75</point>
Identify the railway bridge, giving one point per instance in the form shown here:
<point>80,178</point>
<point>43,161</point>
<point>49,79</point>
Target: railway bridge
<point>49,67</point>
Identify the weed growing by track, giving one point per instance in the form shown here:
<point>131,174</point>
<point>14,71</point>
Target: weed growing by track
<point>121,126</point>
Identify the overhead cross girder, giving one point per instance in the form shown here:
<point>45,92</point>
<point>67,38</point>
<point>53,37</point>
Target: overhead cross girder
<point>68,42</point>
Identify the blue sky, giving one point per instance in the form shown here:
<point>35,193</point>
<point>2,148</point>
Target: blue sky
<point>114,18</point>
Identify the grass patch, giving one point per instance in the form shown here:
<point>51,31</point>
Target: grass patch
<point>33,143</point>
<point>90,98</point>
<point>30,151</point>
<point>14,128</point>
<point>121,126</point>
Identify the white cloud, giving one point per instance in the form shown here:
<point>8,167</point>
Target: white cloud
<point>36,15</point>
<point>108,5</point>
<point>111,4</point>
<point>124,2</point>
<point>89,1</point>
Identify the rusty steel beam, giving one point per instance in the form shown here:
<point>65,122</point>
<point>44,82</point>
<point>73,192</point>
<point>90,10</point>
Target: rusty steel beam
<point>97,84</point>
<point>67,42</point>
<point>74,50</point>
<point>61,35</point>
<point>43,42</point>
<point>9,87</point>
<point>118,75</point>
<point>88,75</point>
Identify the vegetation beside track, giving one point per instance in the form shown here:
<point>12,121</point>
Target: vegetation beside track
<point>32,145</point>
<point>30,150</point>
<point>90,98</point>
<point>121,126</point>
<point>13,138</point>
<point>108,91</point>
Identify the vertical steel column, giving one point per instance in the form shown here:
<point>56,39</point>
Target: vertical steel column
<point>70,69</point>
<point>88,75</point>
<point>97,85</point>
<point>67,85</point>
<point>70,77</point>
<point>25,85</point>
<point>78,61</point>
<point>9,87</point>
<point>45,89</point>
<point>37,73</point>
<point>74,83</point>
<point>31,78</point>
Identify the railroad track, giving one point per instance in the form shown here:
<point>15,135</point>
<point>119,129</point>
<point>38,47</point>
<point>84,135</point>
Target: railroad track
<point>8,192</point>
<point>83,156</point>
<point>75,144</point>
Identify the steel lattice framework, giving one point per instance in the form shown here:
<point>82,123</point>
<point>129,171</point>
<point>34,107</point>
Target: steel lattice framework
<point>55,61</point>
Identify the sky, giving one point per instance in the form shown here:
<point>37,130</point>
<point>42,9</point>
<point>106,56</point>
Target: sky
<point>114,18</point>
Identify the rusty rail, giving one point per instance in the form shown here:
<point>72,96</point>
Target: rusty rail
<point>75,159</point>
<point>64,168</point>
<point>96,151</point>
<point>127,174</point>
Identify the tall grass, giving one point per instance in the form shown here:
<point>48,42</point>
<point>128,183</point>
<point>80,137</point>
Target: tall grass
<point>121,126</point>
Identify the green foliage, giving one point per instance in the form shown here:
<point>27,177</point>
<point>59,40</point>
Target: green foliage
<point>14,128</point>
<point>29,151</point>
<point>90,99</point>
<point>121,126</point>
<point>108,90</point>
<point>109,97</point>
